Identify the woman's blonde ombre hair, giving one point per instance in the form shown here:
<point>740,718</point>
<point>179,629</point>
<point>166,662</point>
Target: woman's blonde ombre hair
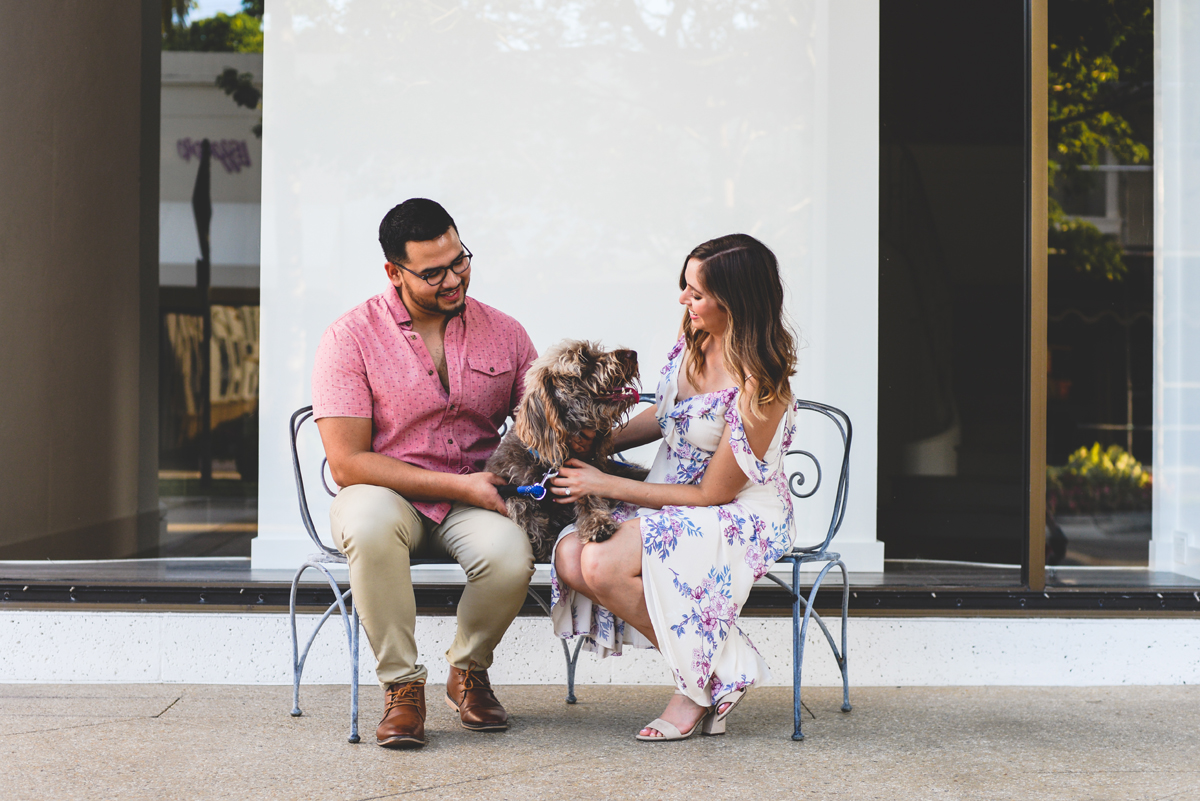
<point>742,275</point>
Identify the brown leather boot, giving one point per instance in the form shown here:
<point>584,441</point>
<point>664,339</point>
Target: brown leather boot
<point>469,693</point>
<point>403,724</point>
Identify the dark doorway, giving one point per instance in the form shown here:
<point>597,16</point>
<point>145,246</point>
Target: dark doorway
<point>952,273</point>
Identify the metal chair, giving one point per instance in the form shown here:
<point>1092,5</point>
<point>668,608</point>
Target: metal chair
<point>343,601</point>
<point>820,552</point>
<point>325,556</point>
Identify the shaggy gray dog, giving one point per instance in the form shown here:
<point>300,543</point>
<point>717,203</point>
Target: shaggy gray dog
<point>575,394</point>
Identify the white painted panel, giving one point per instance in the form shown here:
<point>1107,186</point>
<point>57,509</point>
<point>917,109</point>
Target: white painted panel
<point>233,234</point>
<point>255,648</point>
<point>583,149</point>
<point>1175,546</point>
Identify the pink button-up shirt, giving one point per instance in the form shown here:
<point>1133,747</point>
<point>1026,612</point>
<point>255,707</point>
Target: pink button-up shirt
<point>370,363</point>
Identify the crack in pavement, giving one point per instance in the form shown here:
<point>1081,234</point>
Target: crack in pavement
<point>1190,790</point>
<point>470,781</point>
<point>106,722</point>
<point>168,708</point>
<point>65,728</point>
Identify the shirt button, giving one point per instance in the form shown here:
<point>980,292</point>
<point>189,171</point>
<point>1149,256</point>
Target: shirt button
<point>414,336</point>
<point>491,369</point>
<point>431,372</point>
<point>450,441</point>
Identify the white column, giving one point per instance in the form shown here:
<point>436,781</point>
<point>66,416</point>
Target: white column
<point>1175,545</point>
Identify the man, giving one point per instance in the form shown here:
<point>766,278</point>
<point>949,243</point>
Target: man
<point>409,390</point>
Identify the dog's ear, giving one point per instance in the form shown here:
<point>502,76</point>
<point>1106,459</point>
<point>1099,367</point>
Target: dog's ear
<point>540,424</point>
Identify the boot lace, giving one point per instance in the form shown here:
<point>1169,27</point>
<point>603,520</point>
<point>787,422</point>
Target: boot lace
<point>475,678</point>
<point>404,695</point>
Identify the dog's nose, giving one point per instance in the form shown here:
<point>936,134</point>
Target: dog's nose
<point>628,358</point>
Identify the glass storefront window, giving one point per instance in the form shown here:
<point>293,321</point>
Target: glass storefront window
<point>1101,284</point>
<point>208,473</point>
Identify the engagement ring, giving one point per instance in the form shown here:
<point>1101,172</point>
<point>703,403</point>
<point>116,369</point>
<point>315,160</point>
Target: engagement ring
<point>568,491</point>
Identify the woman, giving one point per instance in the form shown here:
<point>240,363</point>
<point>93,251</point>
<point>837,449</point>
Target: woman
<point>713,514</point>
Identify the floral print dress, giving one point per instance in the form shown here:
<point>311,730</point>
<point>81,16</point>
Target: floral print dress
<point>698,563</point>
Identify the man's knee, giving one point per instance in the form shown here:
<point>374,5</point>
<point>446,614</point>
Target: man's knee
<point>501,551</point>
<point>374,519</point>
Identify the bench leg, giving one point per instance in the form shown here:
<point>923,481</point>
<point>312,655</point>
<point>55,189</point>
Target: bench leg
<point>797,651</point>
<point>844,661</point>
<point>297,664</point>
<point>354,738</point>
<point>572,661</point>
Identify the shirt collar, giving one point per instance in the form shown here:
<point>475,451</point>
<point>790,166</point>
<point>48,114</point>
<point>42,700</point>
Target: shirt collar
<point>396,307</point>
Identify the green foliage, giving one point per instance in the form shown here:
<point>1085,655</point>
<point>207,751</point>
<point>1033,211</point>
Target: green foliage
<point>1098,480</point>
<point>243,91</point>
<point>1101,70</point>
<point>222,33</point>
<point>1084,248</point>
<point>1101,81</point>
<point>240,87</point>
<point>174,14</point>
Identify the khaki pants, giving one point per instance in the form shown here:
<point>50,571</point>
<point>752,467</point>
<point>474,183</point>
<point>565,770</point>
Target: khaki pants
<point>378,530</point>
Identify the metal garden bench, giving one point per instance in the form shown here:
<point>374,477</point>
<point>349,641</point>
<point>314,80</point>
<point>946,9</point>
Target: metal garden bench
<point>799,555</point>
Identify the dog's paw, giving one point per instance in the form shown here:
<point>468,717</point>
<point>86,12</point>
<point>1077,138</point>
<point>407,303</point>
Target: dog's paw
<point>597,529</point>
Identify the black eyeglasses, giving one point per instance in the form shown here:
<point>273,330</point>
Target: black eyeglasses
<point>436,275</point>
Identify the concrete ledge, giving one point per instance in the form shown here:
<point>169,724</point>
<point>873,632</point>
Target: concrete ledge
<point>255,648</point>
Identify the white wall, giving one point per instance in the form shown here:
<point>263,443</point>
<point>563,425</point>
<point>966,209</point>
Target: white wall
<point>583,148</point>
<point>1175,546</point>
<point>256,648</point>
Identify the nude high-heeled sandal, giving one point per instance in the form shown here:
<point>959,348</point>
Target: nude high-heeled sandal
<point>714,722</point>
<point>669,731</point>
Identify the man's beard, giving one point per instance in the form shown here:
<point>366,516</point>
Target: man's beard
<point>437,308</point>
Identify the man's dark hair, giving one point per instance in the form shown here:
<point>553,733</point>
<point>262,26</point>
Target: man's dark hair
<point>415,220</point>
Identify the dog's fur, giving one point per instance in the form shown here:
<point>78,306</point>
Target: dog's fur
<point>564,396</point>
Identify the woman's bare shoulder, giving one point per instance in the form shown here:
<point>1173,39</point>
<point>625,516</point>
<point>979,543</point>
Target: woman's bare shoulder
<point>767,417</point>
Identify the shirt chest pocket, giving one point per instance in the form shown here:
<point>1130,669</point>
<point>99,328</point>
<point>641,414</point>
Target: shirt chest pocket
<point>488,385</point>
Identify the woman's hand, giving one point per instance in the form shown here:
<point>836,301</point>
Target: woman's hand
<point>578,480</point>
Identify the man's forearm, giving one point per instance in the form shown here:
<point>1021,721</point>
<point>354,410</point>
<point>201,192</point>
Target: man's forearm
<point>414,483</point>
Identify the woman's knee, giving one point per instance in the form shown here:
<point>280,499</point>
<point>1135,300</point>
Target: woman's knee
<point>566,562</point>
<point>607,564</point>
<point>595,566</point>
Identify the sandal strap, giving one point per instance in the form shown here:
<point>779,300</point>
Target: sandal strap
<point>732,698</point>
<point>665,728</point>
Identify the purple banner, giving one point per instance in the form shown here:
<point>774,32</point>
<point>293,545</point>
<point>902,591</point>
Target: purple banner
<point>232,153</point>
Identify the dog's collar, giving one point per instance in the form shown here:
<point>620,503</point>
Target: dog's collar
<point>531,489</point>
<point>537,491</point>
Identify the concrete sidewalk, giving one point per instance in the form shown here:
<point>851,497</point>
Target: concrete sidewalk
<point>237,742</point>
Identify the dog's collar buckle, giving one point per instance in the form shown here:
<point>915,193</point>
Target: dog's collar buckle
<point>538,491</point>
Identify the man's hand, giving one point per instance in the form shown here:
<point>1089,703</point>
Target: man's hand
<point>347,442</point>
<point>479,489</point>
